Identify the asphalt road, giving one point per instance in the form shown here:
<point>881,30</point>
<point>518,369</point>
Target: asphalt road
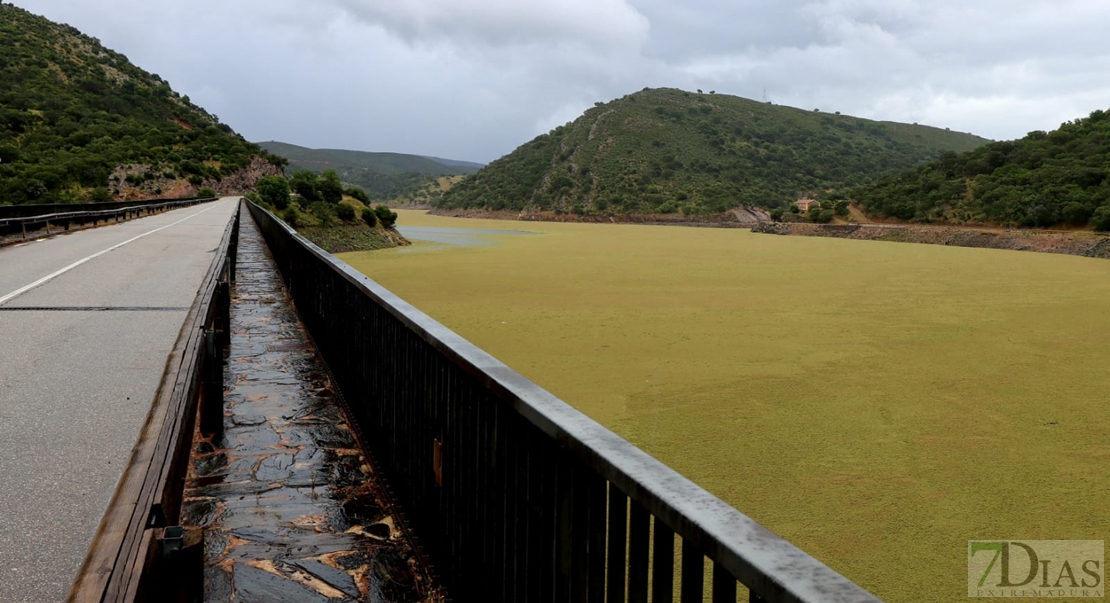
<point>76,383</point>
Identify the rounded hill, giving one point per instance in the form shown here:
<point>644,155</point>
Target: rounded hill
<point>667,150</point>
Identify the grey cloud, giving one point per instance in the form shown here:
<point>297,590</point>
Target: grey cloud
<point>506,22</point>
<point>472,79</point>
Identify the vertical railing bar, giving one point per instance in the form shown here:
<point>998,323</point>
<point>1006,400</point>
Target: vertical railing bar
<point>564,529</point>
<point>598,489</point>
<point>724,585</point>
<point>639,543</point>
<point>662,564</point>
<point>693,573</point>
<point>580,531</point>
<point>617,545</point>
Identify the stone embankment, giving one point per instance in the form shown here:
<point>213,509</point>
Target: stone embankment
<point>1081,243</point>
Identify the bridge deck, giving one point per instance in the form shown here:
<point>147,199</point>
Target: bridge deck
<point>81,357</point>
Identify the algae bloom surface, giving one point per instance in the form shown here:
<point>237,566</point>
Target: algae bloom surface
<point>877,404</point>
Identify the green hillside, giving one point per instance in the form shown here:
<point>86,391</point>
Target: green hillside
<point>665,150</point>
<point>1045,179</point>
<point>71,111</point>
<point>384,176</point>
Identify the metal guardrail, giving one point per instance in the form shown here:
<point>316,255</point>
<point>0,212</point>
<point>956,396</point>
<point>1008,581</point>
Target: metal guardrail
<point>139,553</point>
<point>16,218</point>
<point>513,495</point>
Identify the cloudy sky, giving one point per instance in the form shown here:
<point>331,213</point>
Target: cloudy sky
<point>472,79</point>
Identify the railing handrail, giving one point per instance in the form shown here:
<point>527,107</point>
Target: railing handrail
<point>766,563</point>
<point>88,214</point>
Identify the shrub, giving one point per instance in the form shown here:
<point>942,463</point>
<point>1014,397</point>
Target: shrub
<point>386,216</point>
<point>357,193</point>
<point>842,209</point>
<point>345,212</point>
<point>369,217</point>
<point>776,214</point>
<point>254,198</point>
<point>206,191</point>
<point>1101,219</point>
<point>100,195</point>
<point>324,212</point>
<point>291,216</point>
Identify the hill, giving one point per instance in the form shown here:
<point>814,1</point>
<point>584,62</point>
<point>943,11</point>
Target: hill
<point>384,176</point>
<point>666,150</point>
<point>78,121</point>
<point>1045,179</point>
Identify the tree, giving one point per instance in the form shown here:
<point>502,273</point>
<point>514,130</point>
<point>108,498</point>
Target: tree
<point>386,216</point>
<point>776,214</point>
<point>274,190</point>
<point>304,183</point>
<point>206,191</point>
<point>1076,214</point>
<point>841,208</point>
<point>330,187</point>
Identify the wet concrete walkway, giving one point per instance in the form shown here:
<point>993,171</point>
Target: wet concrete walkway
<point>290,507</point>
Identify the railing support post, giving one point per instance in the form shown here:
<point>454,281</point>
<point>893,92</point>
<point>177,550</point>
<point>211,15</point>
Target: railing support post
<point>212,400</point>
<point>178,573</point>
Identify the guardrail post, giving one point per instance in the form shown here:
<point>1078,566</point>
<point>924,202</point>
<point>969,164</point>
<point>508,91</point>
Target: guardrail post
<point>233,249</point>
<point>212,397</point>
<point>178,572</point>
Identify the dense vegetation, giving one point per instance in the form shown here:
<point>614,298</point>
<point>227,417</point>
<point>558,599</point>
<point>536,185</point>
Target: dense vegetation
<point>311,199</point>
<point>666,150</point>
<point>72,110</point>
<point>384,176</point>
<point>1044,179</point>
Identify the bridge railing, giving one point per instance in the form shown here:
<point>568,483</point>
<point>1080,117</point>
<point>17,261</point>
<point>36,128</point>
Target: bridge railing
<point>19,218</point>
<point>512,494</point>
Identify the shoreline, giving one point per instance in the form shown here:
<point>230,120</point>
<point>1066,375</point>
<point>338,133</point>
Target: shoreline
<point>1087,244</point>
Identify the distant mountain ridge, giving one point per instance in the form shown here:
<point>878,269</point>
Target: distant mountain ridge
<point>79,122</point>
<point>667,150</point>
<point>384,176</point>
<point>382,163</point>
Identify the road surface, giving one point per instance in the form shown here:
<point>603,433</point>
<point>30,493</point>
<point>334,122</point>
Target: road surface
<point>87,321</point>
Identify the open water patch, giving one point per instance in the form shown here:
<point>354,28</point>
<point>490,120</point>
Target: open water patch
<point>458,237</point>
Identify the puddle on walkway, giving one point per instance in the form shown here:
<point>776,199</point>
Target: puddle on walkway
<point>459,237</point>
<point>290,507</point>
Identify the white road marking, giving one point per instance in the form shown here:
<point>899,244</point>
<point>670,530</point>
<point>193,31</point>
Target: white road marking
<point>14,294</point>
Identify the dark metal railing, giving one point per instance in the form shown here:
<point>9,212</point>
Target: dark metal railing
<point>140,553</point>
<point>511,494</point>
<point>17,218</point>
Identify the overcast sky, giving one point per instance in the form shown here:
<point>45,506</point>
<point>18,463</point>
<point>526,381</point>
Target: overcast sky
<point>473,79</point>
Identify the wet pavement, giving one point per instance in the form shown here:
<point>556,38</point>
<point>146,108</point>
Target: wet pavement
<point>290,506</point>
